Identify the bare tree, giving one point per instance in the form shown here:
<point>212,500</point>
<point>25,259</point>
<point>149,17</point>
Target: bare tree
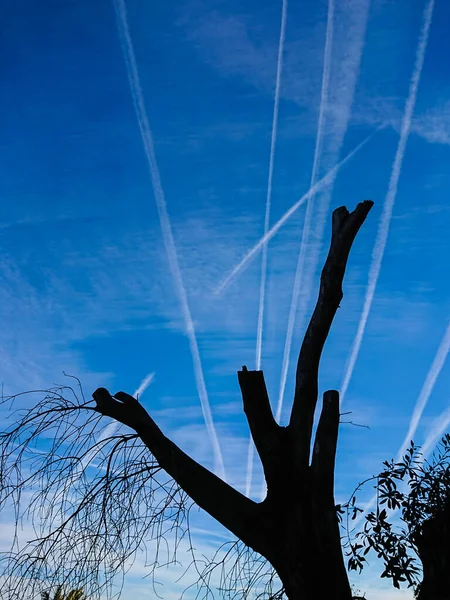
<point>93,526</point>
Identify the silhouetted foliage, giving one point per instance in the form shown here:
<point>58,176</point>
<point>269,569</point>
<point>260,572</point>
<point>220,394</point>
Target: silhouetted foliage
<point>424,505</point>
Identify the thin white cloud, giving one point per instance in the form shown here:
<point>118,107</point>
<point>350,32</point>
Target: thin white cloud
<point>249,472</point>
<point>383,229</point>
<point>427,389</point>
<point>322,183</point>
<point>269,185</point>
<point>262,286</point>
<point>422,400</point>
<point>166,228</point>
<point>442,422</point>
<point>309,207</point>
<point>441,427</point>
<point>144,385</point>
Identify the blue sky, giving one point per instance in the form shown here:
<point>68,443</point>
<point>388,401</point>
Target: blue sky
<point>97,282</point>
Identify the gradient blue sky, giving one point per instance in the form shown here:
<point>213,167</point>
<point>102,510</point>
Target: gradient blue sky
<point>87,285</point>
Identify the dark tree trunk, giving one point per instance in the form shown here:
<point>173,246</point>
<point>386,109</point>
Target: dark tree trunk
<point>306,549</point>
<point>296,526</point>
<point>433,544</point>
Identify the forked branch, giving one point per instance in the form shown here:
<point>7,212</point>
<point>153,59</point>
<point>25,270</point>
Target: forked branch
<point>345,226</point>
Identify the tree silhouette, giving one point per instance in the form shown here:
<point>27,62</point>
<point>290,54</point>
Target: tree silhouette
<point>425,512</point>
<point>94,525</point>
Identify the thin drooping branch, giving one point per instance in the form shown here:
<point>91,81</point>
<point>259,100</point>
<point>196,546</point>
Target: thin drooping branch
<point>345,226</point>
<point>264,429</point>
<point>232,509</point>
<point>92,500</point>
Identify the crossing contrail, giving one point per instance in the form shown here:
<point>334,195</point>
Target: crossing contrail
<point>166,228</point>
<point>323,182</point>
<point>262,287</point>
<point>387,211</point>
<point>309,207</point>
<point>313,234</point>
<point>383,229</point>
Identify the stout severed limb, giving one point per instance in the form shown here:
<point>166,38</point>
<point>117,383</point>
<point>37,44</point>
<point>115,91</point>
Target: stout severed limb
<point>264,429</point>
<point>345,226</point>
<point>232,509</point>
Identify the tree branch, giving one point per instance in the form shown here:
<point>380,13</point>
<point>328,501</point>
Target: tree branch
<point>263,427</point>
<point>345,226</point>
<point>232,509</point>
<point>324,454</point>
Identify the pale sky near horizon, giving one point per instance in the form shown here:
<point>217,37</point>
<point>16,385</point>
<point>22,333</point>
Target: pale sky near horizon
<point>142,144</point>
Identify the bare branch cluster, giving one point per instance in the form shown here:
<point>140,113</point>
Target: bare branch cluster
<point>93,501</point>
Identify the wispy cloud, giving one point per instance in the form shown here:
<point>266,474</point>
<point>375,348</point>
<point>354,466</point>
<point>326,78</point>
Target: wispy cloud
<point>33,353</point>
<point>262,285</point>
<point>434,124</point>
<point>383,229</point>
<point>166,228</point>
<point>309,207</point>
<point>323,182</point>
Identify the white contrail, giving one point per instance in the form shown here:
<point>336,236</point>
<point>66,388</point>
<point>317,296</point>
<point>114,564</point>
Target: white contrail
<point>166,228</point>
<point>313,235</point>
<point>425,393</point>
<point>441,427</point>
<point>323,182</point>
<point>248,477</point>
<point>262,287</point>
<point>383,229</point>
<point>435,436</point>
<point>309,207</point>
<point>144,385</point>
<point>426,390</point>
<point>442,422</point>
<point>269,184</point>
<point>387,210</point>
